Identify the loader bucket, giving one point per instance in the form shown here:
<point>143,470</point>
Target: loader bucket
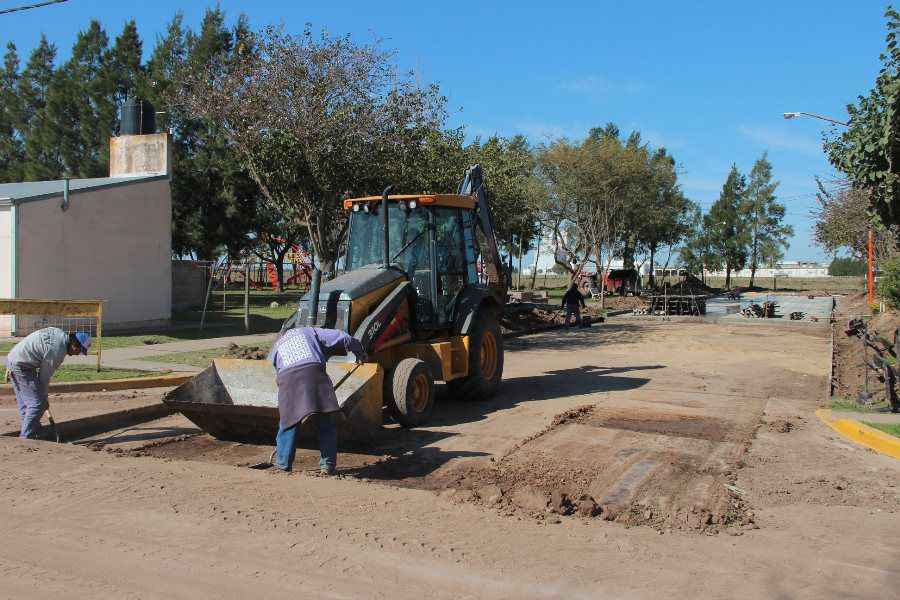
<point>238,400</point>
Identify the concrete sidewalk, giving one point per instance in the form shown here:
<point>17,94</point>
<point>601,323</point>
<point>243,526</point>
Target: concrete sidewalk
<point>127,358</point>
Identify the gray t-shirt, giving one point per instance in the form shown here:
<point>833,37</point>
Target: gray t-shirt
<point>45,349</point>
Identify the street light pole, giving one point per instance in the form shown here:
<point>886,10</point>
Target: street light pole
<point>791,115</point>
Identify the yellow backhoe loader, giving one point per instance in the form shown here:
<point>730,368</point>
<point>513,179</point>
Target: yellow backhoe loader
<point>412,292</point>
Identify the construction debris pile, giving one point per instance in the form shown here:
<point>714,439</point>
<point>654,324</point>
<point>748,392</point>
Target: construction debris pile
<point>665,304</point>
<point>248,352</point>
<point>766,310</point>
<point>797,315</point>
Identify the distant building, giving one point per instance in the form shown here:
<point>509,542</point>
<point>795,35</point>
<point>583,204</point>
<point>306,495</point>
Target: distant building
<point>782,269</point>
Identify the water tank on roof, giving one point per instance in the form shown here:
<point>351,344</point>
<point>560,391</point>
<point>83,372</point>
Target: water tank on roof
<point>138,118</point>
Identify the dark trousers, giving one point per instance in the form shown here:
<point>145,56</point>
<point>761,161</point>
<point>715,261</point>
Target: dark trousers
<point>573,309</point>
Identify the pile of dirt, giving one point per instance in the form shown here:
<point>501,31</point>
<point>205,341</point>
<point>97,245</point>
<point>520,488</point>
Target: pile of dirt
<point>248,352</point>
<point>622,302</point>
<point>530,481</point>
<point>526,317</point>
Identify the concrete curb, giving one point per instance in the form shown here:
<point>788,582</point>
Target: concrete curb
<point>109,385</point>
<point>864,435</point>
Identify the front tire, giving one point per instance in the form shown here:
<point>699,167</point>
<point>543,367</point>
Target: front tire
<point>412,392</point>
<point>485,360</point>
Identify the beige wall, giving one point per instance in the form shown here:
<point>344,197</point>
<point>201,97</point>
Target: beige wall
<point>112,243</point>
<point>140,155</point>
<point>5,251</point>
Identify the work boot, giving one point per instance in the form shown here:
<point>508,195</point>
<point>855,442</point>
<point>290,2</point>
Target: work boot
<point>328,470</point>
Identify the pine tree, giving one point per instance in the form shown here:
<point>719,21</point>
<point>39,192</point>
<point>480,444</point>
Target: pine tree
<point>82,105</point>
<point>764,215</point>
<point>42,159</point>
<point>728,231</point>
<point>126,74</point>
<point>11,149</point>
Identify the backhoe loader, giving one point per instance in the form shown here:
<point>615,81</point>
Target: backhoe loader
<point>411,291</point>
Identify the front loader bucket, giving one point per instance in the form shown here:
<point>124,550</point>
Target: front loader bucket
<point>238,400</point>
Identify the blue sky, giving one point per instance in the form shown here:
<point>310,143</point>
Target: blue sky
<point>708,80</point>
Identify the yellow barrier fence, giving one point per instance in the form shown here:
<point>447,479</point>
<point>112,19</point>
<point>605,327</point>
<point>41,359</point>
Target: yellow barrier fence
<point>69,315</point>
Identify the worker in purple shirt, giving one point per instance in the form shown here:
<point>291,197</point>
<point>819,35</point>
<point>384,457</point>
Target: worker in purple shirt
<point>304,389</point>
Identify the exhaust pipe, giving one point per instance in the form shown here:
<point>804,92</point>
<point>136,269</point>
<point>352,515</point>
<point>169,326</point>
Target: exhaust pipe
<point>387,233</point>
<point>312,310</point>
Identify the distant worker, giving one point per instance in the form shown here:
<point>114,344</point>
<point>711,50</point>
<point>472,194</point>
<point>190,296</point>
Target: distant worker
<point>31,364</point>
<point>573,300</point>
<point>305,389</point>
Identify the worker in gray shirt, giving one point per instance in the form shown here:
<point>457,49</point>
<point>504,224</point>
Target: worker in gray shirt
<point>31,364</point>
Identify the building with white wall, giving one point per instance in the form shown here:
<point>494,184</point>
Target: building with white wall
<point>107,238</point>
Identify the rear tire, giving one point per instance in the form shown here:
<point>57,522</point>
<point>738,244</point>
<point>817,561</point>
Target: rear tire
<point>412,392</point>
<point>485,360</point>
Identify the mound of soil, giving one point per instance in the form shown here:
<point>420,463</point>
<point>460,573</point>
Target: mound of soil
<point>248,352</point>
<point>525,317</point>
<point>531,481</point>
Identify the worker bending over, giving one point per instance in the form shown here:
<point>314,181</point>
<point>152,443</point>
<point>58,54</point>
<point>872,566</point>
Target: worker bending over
<point>573,300</point>
<point>304,389</point>
<point>31,364</point>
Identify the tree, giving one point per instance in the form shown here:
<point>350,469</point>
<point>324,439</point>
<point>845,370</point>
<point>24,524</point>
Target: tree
<point>81,107</point>
<point>11,149</point>
<point>667,215</point>
<point>843,221</point>
<point>728,232</point>
<point>764,214</point>
<point>41,159</point>
<point>126,72</point>
<point>315,118</point>
<point>868,151</point>
<point>509,166</point>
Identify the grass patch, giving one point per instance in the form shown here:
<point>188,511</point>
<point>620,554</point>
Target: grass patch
<point>198,358</point>
<point>68,373</point>
<point>889,428</point>
<point>852,405</point>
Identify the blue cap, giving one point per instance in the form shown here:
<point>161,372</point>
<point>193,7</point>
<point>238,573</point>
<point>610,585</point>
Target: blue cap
<point>85,341</point>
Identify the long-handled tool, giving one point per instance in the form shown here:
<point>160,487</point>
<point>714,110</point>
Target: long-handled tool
<point>52,425</point>
<point>271,462</point>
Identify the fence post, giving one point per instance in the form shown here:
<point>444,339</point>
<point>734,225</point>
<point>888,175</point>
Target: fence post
<point>247,299</point>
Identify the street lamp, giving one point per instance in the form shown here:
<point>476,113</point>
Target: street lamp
<point>791,115</point>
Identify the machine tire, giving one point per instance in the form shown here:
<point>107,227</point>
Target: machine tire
<point>412,392</point>
<point>485,360</point>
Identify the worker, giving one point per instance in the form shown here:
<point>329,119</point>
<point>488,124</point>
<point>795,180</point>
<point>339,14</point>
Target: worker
<point>571,301</point>
<point>305,389</point>
<point>31,364</point>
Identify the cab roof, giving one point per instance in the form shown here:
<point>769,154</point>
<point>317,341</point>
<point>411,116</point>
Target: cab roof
<point>452,200</point>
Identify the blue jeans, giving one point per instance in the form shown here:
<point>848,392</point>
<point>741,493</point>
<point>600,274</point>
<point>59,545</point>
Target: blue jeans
<point>286,443</point>
<point>31,396</point>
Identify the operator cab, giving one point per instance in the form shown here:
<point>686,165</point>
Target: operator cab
<point>430,237</point>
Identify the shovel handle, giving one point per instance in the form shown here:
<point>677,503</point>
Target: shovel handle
<point>349,373</point>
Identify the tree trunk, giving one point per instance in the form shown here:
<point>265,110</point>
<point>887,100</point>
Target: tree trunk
<point>727,275</point>
<point>652,254</point>
<point>279,271</point>
<point>537,255</point>
<point>753,255</point>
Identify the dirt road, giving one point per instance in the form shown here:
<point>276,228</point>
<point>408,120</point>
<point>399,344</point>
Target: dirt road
<point>641,423</point>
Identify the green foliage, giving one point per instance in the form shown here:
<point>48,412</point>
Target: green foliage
<point>729,233</point>
<point>768,236</point>
<point>867,149</point>
<point>847,267</point>
<point>889,283</point>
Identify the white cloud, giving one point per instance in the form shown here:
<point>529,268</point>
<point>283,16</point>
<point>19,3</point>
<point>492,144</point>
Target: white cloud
<point>598,87</point>
<point>777,138</point>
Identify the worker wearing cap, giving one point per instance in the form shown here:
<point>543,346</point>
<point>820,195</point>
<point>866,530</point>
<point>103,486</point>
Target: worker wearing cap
<point>305,389</point>
<point>32,363</point>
